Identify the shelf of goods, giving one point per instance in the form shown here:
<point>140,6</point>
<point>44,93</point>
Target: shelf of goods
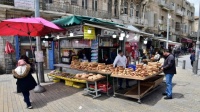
<point>147,76</point>
<point>90,67</point>
<point>70,80</point>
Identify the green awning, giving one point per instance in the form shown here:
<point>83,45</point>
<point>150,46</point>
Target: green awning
<point>77,20</point>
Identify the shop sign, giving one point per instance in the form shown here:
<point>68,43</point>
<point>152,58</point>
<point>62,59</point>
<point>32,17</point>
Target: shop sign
<point>90,35</point>
<point>109,32</point>
<point>76,30</point>
<point>24,4</point>
<point>39,56</point>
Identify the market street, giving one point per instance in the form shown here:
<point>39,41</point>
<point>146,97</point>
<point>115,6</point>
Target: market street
<point>61,98</point>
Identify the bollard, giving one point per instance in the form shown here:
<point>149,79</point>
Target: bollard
<point>176,61</point>
<point>183,64</point>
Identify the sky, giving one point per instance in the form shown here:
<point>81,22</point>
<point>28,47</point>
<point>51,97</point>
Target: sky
<point>196,5</point>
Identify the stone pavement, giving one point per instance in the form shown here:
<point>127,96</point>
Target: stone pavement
<point>61,98</point>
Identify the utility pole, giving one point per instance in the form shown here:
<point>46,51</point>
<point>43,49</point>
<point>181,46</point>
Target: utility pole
<point>40,70</point>
<point>196,62</point>
<point>168,17</point>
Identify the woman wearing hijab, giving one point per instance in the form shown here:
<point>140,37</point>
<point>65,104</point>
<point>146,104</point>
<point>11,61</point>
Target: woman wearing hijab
<point>25,80</point>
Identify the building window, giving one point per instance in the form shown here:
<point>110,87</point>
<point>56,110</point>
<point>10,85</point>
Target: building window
<point>126,7</point>
<point>74,2</point>
<point>137,11</point>
<point>84,4</point>
<point>116,8</point>
<point>131,10</point>
<point>109,6</point>
<point>94,5</point>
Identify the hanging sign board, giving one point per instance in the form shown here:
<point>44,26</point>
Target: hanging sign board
<point>24,4</point>
<point>90,35</point>
<point>105,33</point>
<point>39,56</point>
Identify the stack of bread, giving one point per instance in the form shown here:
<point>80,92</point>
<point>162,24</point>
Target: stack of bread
<point>83,65</point>
<point>141,70</point>
<point>107,69</point>
<point>118,71</point>
<point>89,76</point>
<point>75,64</point>
<point>91,66</point>
<point>101,66</point>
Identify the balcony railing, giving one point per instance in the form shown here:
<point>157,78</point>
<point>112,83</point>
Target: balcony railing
<point>7,2</point>
<point>179,12</point>
<point>165,5</point>
<point>73,9</point>
<point>140,21</point>
<point>191,18</point>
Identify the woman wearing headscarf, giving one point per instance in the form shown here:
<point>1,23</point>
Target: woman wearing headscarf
<point>25,80</point>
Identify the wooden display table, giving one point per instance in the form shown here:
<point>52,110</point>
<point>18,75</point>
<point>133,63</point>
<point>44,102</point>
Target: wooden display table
<point>144,86</point>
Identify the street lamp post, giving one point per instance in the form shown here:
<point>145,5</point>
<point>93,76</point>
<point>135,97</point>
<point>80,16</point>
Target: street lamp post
<point>195,66</point>
<point>168,17</point>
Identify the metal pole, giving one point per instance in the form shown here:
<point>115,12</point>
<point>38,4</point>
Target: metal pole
<point>167,31</point>
<point>39,88</point>
<point>195,67</point>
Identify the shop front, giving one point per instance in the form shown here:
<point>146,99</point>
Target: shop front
<point>83,50</point>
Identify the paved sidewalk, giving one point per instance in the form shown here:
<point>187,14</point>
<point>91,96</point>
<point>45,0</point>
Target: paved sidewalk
<point>61,98</point>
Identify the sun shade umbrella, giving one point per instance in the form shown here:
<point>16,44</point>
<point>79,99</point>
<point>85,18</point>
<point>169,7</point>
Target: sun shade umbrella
<point>30,27</point>
<point>35,26</point>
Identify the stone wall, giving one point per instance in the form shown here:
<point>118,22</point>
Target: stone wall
<point>8,61</point>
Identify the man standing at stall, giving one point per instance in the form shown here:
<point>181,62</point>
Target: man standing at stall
<point>121,60</point>
<point>169,68</point>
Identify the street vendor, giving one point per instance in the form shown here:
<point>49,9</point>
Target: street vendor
<point>121,60</point>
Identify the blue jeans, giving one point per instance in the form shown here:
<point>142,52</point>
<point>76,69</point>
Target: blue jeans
<point>26,95</point>
<point>169,84</point>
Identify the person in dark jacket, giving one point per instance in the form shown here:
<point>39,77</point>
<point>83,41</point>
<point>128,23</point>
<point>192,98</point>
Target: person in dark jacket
<point>192,58</point>
<point>169,68</point>
<point>107,60</point>
<point>25,80</point>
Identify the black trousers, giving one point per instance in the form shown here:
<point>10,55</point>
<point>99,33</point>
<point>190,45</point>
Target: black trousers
<point>192,63</point>
<point>26,95</point>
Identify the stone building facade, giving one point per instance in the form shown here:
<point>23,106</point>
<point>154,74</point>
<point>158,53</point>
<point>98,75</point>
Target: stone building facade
<point>148,15</point>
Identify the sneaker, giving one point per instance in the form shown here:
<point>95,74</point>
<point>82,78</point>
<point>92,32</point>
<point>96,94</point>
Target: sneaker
<point>30,107</point>
<point>164,94</point>
<point>168,97</point>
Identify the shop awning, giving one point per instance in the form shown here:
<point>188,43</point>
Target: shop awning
<point>169,41</point>
<point>100,26</point>
<point>77,20</point>
<point>186,40</point>
<point>133,29</point>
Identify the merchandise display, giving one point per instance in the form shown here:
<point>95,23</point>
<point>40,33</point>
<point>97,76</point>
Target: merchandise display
<point>142,70</point>
<point>89,77</point>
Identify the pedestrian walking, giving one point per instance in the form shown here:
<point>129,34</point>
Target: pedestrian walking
<point>25,80</point>
<point>192,58</point>
<point>121,60</point>
<point>169,68</point>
